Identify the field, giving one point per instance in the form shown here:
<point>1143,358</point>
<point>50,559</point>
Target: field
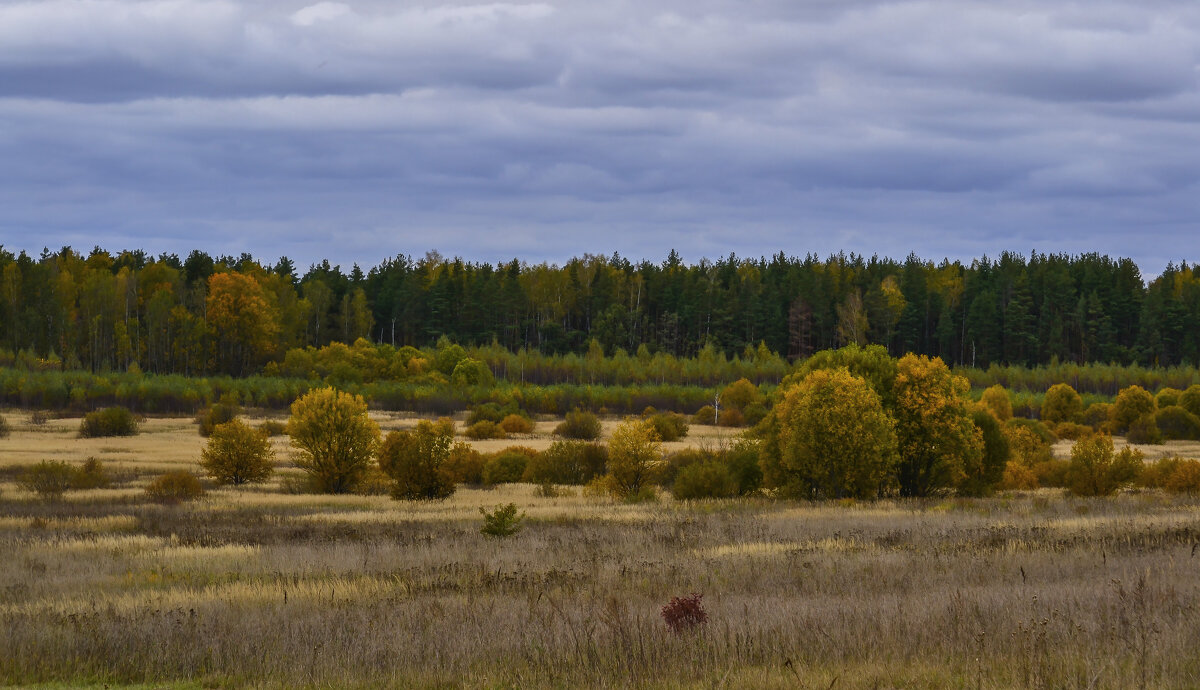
<point>258,587</point>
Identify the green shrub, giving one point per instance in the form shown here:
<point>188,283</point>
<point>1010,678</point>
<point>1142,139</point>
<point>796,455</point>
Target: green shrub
<point>567,462</point>
<point>1177,423</point>
<point>221,412</point>
<point>416,460</point>
<point>579,424</point>
<point>742,459</point>
<point>490,412</point>
<point>90,475</point>
<point>484,430</point>
<point>507,466</point>
<point>755,413</point>
<point>502,522</point>
<point>669,425</point>
<point>706,479</point>
<point>49,479</point>
<point>238,454</point>
<point>981,480</point>
<point>464,464</point>
<point>272,427</point>
<point>334,437</point>
<point>110,421</point>
<point>1144,430</point>
<point>997,402</point>
<point>175,487</point>
<point>516,424</point>
<point>472,372</point>
<point>1095,470</point>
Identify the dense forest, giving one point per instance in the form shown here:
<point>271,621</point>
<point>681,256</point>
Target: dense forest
<point>204,315</point>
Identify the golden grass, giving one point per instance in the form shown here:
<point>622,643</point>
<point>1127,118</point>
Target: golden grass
<point>253,587</point>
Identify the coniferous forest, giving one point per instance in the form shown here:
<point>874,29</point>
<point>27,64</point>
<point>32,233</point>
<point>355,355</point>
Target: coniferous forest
<point>204,315</point>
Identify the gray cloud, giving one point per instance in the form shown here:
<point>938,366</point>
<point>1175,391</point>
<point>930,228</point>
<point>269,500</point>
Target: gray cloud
<point>356,130</point>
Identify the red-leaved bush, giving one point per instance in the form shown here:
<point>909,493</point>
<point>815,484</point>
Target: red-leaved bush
<point>684,613</point>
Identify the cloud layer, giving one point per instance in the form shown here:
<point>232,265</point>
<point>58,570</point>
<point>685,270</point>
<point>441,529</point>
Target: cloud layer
<point>543,130</point>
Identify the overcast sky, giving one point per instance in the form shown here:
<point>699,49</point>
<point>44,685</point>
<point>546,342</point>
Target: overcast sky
<point>359,130</point>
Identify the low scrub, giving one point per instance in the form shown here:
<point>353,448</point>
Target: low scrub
<point>49,479</point>
<point>174,487</point>
<point>567,462</point>
<point>222,412</point>
<point>670,426</point>
<point>504,521</point>
<point>484,430</point>
<point>110,421</point>
<point>508,466</point>
<point>516,424</point>
<point>579,424</point>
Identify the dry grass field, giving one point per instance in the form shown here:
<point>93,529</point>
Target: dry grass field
<point>256,587</point>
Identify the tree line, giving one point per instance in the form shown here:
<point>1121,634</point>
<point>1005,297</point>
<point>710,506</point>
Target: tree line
<point>203,315</point>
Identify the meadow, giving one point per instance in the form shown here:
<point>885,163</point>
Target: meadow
<point>262,587</point>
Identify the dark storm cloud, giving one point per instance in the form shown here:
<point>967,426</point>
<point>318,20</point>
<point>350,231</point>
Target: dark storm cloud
<point>543,130</point>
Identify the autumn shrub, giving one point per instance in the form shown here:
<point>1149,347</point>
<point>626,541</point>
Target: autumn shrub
<point>1131,404</point>
<point>1167,397</point>
<point>1144,429</point>
<point>174,487</point>
<point>1096,470</point>
<point>334,438</point>
<point>90,475</point>
<point>1190,399</point>
<point>1052,473</point>
<point>272,427</point>
<point>705,415</point>
<point>1176,423</point>
<point>504,521</point>
<point>731,418</point>
<point>1072,431</point>
<point>705,479</point>
<point>1184,478</point>
<point>754,413</point>
<point>491,412</point>
<point>1097,415</point>
<point>1174,474</point>
<point>223,411</point>
<point>567,462</point>
<point>238,454</point>
<point>472,372</point>
<point>110,421</point>
<point>484,430</point>
<point>939,444</point>
<point>508,465</point>
<point>829,409</point>
<point>669,426</point>
<point>464,464</point>
<point>415,460</point>
<point>740,394</point>
<point>1041,430</point>
<point>1061,404</point>
<point>579,424</point>
<point>742,461</point>
<point>997,402</point>
<point>516,424</point>
<point>634,452</point>
<point>1018,476</point>
<point>684,614</point>
<point>49,479</point>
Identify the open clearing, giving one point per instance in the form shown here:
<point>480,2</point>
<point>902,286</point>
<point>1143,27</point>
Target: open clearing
<point>255,587</point>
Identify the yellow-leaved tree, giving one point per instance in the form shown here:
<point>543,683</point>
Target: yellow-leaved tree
<point>335,438</point>
<point>829,437</point>
<point>634,452</point>
<point>940,446</point>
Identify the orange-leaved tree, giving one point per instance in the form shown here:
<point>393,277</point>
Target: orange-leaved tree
<point>242,321</point>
